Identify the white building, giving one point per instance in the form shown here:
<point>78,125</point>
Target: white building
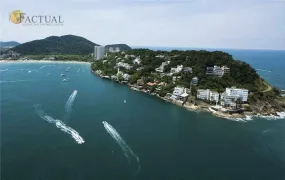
<point>161,67</point>
<point>179,93</point>
<point>99,52</point>
<point>216,70</point>
<point>214,96</point>
<point>137,60</point>
<point>203,94</point>
<point>232,95</point>
<point>178,69</point>
<point>126,77</point>
<point>125,65</point>
<point>207,94</point>
<point>239,93</point>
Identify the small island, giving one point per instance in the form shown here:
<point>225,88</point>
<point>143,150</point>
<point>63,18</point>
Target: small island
<point>199,80</point>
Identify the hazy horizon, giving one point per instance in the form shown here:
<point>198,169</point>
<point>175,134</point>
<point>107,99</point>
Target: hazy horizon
<point>233,24</point>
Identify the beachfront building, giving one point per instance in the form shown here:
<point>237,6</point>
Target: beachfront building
<point>124,65</point>
<point>203,94</point>
<point>233,95</point>
<point>179,93</point>
<point>126,77</point>
<point>99,52</point>
<point>195,81</point>
<point>178,69</point>
<point>214,96</point>
<point>207,94</point>
<point>161,67</point>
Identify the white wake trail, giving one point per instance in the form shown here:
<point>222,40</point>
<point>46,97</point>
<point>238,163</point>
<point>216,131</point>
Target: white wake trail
<point>59,124</point>
<point>69,104</point>
<point>124,146</point>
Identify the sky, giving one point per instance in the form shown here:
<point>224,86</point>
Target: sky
<point>237,24</point>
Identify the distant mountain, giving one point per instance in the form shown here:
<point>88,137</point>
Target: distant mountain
<point>67,44</point>
<point>8,44</point>
<point>122,47</point>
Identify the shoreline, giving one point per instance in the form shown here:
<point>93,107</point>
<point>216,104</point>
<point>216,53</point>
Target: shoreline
<point>247,116</point>
<point>44,61</point>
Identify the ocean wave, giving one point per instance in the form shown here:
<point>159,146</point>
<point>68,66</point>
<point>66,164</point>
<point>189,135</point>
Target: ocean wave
<point>59,124</point>
<point>280,115</point>
<point>263,70</point>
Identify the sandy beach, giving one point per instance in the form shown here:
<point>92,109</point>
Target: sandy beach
<point>43,61</point>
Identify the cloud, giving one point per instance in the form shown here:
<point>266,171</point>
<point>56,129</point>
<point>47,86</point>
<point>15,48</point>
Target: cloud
<point>257,24</point>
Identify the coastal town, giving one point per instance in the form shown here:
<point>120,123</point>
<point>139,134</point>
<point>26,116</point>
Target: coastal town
<point>232,102</point>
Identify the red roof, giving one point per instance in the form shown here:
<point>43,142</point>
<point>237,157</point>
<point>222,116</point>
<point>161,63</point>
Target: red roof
<point>151,84</point>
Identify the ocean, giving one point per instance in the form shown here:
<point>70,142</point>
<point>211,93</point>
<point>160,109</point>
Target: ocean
<point>53,129</point>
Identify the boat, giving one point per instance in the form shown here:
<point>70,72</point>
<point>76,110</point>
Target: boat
<point>64,80</point>
<point>67,69</point>
<point>62,75</point>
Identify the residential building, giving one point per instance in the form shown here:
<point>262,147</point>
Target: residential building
<point>226,70</point>
<point>203,94</point>
<point>99,52</point>
<point>125,65</point>
<point>161,67</point>
<point>210,70</point>
<point>207,94</point>
<point>214,96</point>
<point>187,70</point>
<point>178,69</point>
<point>126,77</point>
<point>218,71</point>
<point>195,81</point>
<point>177,92</point>
<point>233,95</point>
<point>160,56</point>
<point>137,60</point>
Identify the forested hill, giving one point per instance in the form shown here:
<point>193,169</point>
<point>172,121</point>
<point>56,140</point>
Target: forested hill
<point>122,47</point>
<point>241,74</point>
<point>8,44</point>
<point>68,44</point>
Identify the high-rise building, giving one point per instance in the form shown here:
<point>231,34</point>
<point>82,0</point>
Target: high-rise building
<point>99,52</point>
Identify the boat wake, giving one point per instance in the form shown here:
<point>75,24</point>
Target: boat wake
<point>13,81</point>
<point>59,124</point>
<point>68,105</point>
<point>124,146</point>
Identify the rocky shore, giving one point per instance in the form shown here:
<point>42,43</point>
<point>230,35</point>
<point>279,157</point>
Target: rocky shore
<point>207,108</point>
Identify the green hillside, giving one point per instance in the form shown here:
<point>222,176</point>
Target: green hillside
<point>68,44</point>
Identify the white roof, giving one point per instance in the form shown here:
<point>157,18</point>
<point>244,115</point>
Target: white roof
<point>184,95</point>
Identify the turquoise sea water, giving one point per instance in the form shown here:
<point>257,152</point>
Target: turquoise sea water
<point>170,142</point>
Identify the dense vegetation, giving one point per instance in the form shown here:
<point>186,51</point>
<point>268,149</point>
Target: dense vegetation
<point>242,74</point>
<point>68,44</point>
<point>61,57</point>
<point>123,47</point>
<point>8,44</point>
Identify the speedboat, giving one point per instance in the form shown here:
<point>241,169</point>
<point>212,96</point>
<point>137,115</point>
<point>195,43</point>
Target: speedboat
<point>62,75</point>
<point>64,80</point>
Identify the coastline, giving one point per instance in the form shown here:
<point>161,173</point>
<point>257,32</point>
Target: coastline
<point>247,116</point>
<point>44,61</point>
